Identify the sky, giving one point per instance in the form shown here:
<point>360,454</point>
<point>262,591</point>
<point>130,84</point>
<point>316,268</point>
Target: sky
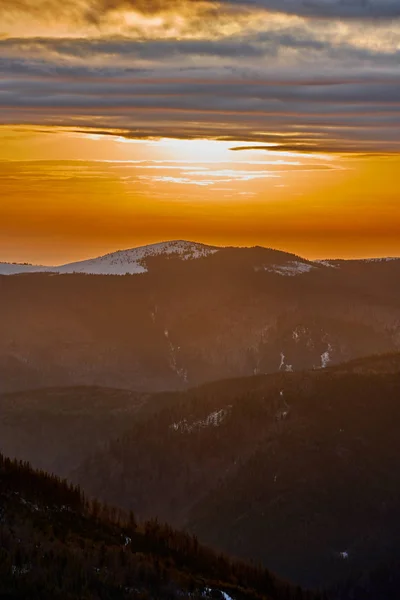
<point>238,122</point>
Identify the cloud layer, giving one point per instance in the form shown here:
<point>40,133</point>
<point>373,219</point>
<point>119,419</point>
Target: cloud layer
<point>94,10</point>
<point>317,76</point>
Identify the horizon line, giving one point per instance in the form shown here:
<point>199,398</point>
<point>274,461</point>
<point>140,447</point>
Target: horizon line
<point>222,247</point>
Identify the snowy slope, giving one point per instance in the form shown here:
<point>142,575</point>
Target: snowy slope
<point>17,269</point>
<point>133,261</point>
<point>121,262</point>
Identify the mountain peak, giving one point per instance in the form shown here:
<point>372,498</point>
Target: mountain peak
<point>132,260</point>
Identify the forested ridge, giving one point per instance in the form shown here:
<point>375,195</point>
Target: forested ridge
<point>290,469</point>
<point>56,544</point>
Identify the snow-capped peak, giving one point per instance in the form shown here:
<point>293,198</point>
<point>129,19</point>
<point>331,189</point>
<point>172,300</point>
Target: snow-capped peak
<point>130,261</point>
<point>133,261</point>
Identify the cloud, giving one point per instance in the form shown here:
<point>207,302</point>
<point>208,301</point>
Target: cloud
<point>304,85</point>
<point>101,7</point>
<point>95,10</point>
<point>351,148</point>
<point>359,9</point>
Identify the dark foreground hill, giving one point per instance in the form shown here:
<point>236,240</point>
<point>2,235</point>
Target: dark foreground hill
<point>57,546</point>
<point>382,583</point>
<point>180,323</point>
<point>297,470</point>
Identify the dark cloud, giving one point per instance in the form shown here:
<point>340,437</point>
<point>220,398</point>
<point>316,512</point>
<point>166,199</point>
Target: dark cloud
<point>297,87</point>
<point>235,48</point>
<point>95,10</point>
<point>340,147</point>
<point>352,9</point>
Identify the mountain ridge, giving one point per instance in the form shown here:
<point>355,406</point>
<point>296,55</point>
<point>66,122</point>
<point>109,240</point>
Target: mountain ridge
<point>233,313</point>
<point>130,260</point>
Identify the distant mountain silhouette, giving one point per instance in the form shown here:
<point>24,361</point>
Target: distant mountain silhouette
<point>134,261</point>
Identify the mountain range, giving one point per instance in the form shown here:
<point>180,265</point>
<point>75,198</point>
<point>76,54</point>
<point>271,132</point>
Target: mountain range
<point>189,314</point>
<point>293,470</point>
<point>134,261</point>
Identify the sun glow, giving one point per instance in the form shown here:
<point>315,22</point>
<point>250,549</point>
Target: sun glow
<point>96,192</point>
<point>197,150</point>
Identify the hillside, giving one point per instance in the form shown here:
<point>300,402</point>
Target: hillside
<point>55,429</point>
<point>193,315</point>
<point>297,470</point>
<point>55,545</point>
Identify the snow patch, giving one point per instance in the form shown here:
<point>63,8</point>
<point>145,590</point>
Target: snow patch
<point>281,415</point>
<point>22,570</point>
<point>225,596</point>
<point>153,314</point>
<point>327,263</point>
<point>173,358</point>
<point>326,357</point>
<point>283,365</point>
<point>377,260</point>
<point>299,333</point>
<point>30,505</point>
<point>291,269</point>
<point>212,420</point>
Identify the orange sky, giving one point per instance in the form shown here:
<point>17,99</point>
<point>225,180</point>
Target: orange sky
<point>67,196</point>
<point>119,120</point>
